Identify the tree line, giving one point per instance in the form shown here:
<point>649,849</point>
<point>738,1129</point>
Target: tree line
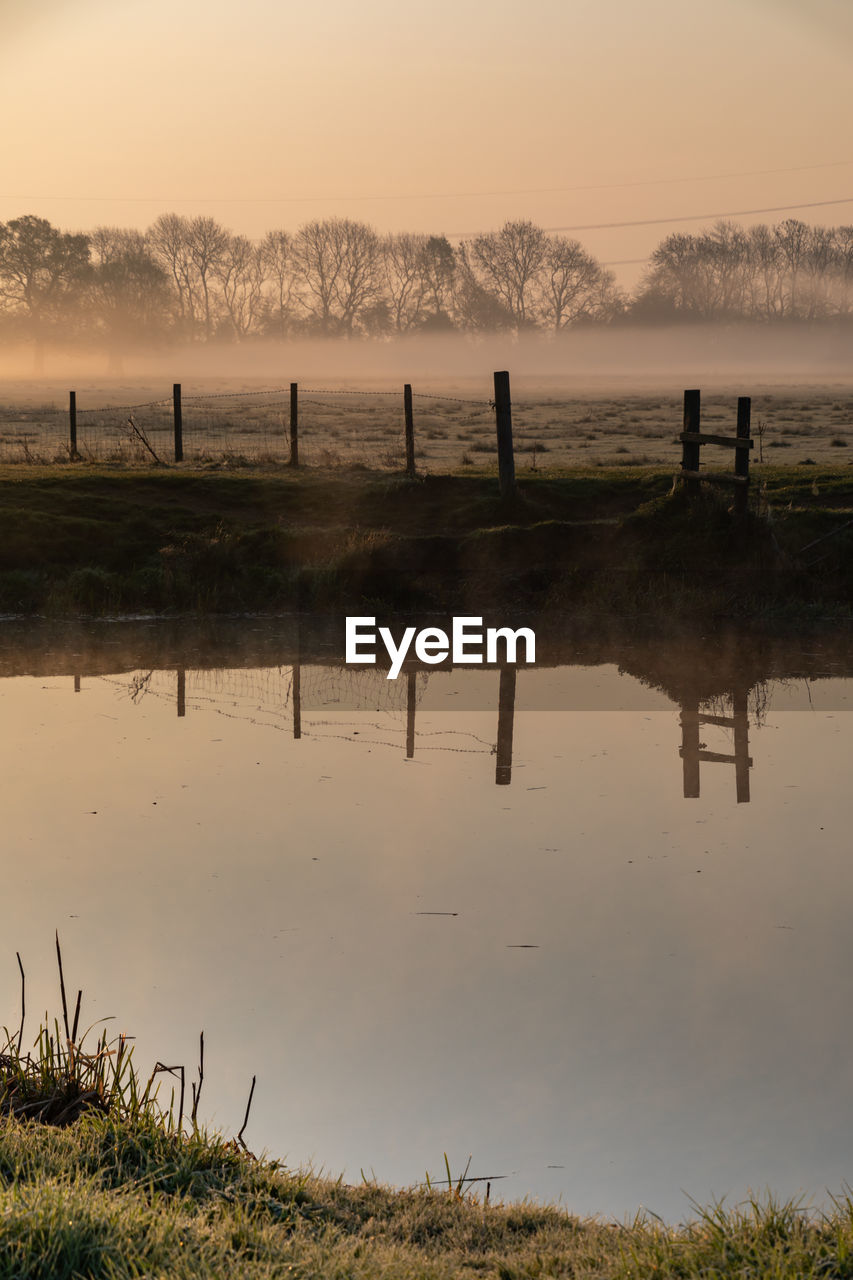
<point>189,278</point>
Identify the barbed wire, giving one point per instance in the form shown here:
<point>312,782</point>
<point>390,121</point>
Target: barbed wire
<point>233,395</point>
<point>117,408</point>
<point>330,391</point>
<point>425,395</point>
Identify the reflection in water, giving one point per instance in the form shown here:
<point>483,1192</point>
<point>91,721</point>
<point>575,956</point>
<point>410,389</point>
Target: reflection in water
<point>693,752</point>
<point>506,716</point>
<point>603,991</point>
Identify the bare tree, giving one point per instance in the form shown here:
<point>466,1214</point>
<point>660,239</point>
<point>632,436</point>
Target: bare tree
<point>765,275</point>
<point>169,240</point>
<point>793,240</point>
<point>403,262</point>
<point>279,261</point>
<point>207,243</point>
<point>575,286</point>
<point>338,264</point>
<point>241,271</point>
<point>508,263</point>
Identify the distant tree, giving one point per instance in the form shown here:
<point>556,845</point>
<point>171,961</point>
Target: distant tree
<point>843,269</point>
<point>338,266</point>
<point>764,272</point>
<point>476,307</point>
<point>508,264</point>
<point>169,241</point>
<point>793,237</point>
<point>403,261</point>
<point>242,270</point>
<point>438,265</point>
<point>43,273</point>
<point>208,244</point>
<point>278,255</point>
<point>131,299</point>
<point>705,275</point>
<point>574,286</point>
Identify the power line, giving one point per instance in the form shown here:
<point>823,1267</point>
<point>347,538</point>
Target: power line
<point>685,217</point>
<point>443,195</point>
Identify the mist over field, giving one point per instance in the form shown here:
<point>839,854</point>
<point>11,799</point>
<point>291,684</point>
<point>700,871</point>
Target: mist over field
<point>622,358</point>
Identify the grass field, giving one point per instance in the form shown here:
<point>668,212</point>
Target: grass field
<point>105,538</point>
<point>361,422</point>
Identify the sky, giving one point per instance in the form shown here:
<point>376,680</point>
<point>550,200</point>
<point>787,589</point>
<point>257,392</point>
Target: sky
<point>449,117</point>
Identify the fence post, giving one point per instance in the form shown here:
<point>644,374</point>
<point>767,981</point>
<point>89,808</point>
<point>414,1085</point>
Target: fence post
<point>294,424</point>
<point>690,450</point>
<point>503,421</point>
<point>72,423</point>
<point>744,409</point>
<point>410,431</point>
<point>181,692</point>
<point>179,422</point>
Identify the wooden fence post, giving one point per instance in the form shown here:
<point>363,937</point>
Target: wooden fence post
<point>181,692</point>
<point>72,424</point>
<point>744,408</point>
<point>503,422</point>
<point>294,424</point>
<point>690,449</point>
<point>410,431</point>
<point>179,422</point>
<point>76,684</point>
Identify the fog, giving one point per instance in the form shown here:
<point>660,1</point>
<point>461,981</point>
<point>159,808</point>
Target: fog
<point>583,362</point>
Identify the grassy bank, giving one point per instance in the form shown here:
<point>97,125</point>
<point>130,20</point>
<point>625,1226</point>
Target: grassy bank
<point>98,1179</point>
<point>99,540</point>
<point>111,1198</point>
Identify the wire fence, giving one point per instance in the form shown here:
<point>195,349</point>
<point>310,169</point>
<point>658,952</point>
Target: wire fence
<point>366,427</point>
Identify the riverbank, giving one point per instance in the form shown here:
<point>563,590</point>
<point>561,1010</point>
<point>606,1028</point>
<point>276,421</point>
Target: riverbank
<point>115,1198</point>
<point>101,540</point>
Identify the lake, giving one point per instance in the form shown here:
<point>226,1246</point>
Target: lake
<point>588,922</point>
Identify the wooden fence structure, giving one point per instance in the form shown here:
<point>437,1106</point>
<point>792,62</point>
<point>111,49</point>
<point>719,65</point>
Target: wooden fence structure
<point>503,426</point>
<point>693,438</point>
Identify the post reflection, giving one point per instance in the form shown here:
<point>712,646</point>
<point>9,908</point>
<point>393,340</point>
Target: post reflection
<point>281,695</point>
<point>693,752</point>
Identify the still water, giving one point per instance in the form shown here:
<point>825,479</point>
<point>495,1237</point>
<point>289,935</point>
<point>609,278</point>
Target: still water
<point>592,929</point>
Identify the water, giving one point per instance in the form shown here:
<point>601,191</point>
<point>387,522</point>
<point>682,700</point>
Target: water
<point>609,994</point>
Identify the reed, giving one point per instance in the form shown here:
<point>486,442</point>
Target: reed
<point>67,1073</point>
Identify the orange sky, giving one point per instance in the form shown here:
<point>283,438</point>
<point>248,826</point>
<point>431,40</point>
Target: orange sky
<point>446,117</point>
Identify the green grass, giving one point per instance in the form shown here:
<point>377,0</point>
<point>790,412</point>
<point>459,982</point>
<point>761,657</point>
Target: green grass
<point>118,1186</point>
<point>102,540</point>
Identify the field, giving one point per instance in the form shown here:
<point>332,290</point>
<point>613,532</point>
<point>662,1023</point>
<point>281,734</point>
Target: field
<point>233,422</point>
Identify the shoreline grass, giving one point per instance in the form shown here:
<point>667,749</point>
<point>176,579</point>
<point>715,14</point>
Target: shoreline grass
<point>119,1187</point>
<point>95,541</point>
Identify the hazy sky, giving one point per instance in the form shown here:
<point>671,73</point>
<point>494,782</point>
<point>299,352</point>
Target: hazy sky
<point>446,117</point>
